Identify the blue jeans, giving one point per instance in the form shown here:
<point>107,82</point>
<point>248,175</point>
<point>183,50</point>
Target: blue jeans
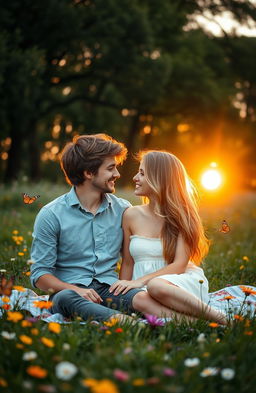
<point>70,304</point>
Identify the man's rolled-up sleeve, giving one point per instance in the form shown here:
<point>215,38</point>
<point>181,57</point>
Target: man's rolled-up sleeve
<point>44,245</point>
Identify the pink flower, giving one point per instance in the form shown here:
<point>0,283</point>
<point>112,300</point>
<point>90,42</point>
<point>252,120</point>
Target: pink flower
<point>153,320</point>
<point>169,372</point>
<point>121,375</point>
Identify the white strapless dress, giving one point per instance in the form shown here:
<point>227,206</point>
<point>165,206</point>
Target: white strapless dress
<point>147,254</point>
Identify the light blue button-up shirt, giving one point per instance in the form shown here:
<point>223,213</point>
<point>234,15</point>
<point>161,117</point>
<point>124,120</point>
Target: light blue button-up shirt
<point>75,245</point>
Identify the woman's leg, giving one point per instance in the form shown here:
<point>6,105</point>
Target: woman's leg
<point>181,300</point>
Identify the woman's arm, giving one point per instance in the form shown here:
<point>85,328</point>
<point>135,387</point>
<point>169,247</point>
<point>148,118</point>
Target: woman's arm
<point>178,266</point>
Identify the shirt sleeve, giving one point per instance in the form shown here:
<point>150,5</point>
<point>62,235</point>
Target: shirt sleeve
<point>44,245</point>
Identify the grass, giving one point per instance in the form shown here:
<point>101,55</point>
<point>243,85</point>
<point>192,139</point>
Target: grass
<point>141,358</point>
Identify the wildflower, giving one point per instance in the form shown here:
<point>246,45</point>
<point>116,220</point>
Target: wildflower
<point>34,331</point>
<point>25,339</point>
<point>103,385</point>
<point>229,297</point>
<point>43,304</point>
<point>119,330</point>
<point>27,274</point>
<point>19,288</point>
<point>37,371</point>
<point>66,346</point>
<point>191,362</point>
<point>29,355</point>
<point>241,267</point>
<point>247,290</point>
<point>30,262</point>
<point>153,381</point>
<point>26,323</point>
<point>121,375</point>
<point>127,350</point>
<point>154,320</point>
<point>5,299</point>
<point>3,270</point>
<point>65,370</point>
<point>15,232</point>
<point>213,324</point>
<point>206,354</point>
<point>112,322</point>
<point>227,373</point>
<point>13,259</point>
<point>3,382</point>
<point>54,327</point>
<point>169,372</point>
<point>7,335</point>
<point>47,342</point>
<point>6,306</point>
<point>21,254</point>
<point>19,346</point>
<point>248,332</point>
<point>46,388</point>
<point>108,332</point>
<point>138,382</point>
<point>201,338</point>
<point>14,316</point>
<point>209,371</point>
<point>238,317</point>
<point>245,258</point>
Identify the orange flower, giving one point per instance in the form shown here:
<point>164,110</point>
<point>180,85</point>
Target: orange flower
<point>37,371</point>
<point>54,327</point>
<point>21,254</point>
<point>248,332</point>
<point>213,324</point>
<point>25,339</point>
<point>138,382</point>
<point>3,383</point>
<point>5,299</point>
<point>103,385</point>
<point>26,323</point>
<point>47,342</point>
<point>112,322</point>
<point>19,288</point>
<point>229,297</point>
<point>238,317</point>
<point>247,291</point>
<point>19,346</point>
<point>14,316</point>
<point>119,330</point>
<point>43,304</point>
<point>34,331</point>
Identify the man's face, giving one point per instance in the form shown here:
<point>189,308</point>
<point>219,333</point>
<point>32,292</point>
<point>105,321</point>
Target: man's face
<point>104,180</point>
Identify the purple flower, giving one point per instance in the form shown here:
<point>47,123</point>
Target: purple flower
<point>169,372</point>
<point>153,320</point>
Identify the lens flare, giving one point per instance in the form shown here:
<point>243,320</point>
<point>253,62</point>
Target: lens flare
<point>211,179</point>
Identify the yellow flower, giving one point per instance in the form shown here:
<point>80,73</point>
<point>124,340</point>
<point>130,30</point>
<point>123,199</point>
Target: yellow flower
<point>26,323</point>
<point>47,342</point>
<point>3,383</point>
<point>19,288</point>
<point>241,267</point>
<point>103,385</point>
<point>14,316</point>
<point>27,274</point>
<point>108,332</point>
<point>25,339</point>
<point>34,331</point>
<point>19,346</point>
<point>245,258</point>
<point>20,238</point>
<point>20,254</point>
<point>15,232</point>
<point>113,321</point>
<point>54,327</point>
<point>138,382</point>
<point>37,371</point>
<point>25,250</point>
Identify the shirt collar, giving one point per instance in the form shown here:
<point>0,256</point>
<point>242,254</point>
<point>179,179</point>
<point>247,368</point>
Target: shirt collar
<point>74,201</point>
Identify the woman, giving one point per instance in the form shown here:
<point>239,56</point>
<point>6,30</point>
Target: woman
<point>164,240</point>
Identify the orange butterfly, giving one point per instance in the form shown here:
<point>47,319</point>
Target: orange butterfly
<point>225,228</point>
<point>6,285</point>
<point>28,200</point>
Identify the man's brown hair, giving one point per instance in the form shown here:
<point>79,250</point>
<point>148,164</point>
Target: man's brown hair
<point>87,153</point>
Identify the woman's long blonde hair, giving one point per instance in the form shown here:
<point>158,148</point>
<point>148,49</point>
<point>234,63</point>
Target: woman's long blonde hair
<point>175,198</point>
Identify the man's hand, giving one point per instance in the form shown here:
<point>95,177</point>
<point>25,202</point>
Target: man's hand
<point>123,286</point>
<point>89,294</point>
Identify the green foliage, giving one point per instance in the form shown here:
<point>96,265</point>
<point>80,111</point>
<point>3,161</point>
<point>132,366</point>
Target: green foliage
<point>151,358</point>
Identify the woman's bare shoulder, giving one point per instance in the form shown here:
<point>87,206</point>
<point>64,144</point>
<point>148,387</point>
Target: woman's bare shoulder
<point>133,212</point>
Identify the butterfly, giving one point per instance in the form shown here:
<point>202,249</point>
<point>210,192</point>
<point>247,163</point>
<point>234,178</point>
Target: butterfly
<point>6,285</point>
<point>225,228</point>
<point>28,200</point>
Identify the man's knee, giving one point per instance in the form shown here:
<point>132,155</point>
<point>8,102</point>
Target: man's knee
<point>63,297</point>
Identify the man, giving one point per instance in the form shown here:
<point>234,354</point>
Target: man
<point>78,236</point>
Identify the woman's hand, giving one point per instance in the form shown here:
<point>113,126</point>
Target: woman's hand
<point>123,286</point>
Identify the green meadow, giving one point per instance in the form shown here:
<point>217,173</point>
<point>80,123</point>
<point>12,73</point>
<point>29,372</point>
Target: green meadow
<point>111,358</point>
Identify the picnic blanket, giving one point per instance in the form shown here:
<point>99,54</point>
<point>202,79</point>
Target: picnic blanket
<point>237,304</point>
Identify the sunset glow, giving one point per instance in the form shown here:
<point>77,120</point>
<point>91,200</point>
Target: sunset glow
<point>211,179</point>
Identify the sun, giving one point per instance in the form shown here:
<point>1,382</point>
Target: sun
<point>211,179</point>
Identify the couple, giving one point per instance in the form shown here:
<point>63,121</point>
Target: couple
<point>77,239</point>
